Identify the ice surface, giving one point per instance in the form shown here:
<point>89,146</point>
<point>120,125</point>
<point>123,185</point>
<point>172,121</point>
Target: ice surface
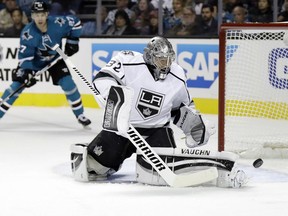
<point>35,176</point>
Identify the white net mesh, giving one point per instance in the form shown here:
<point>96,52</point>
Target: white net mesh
<point>256,93</point>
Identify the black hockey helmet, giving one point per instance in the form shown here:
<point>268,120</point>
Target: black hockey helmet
<point>39,6</point>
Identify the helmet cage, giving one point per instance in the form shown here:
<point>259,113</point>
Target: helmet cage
<point>162,64</point>
<point>160,54</point>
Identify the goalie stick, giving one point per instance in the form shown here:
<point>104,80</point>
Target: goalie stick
<point>172,179</point>
<point>24,84</point>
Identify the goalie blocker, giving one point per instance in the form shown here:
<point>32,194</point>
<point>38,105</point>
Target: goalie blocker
<point>117,109</point>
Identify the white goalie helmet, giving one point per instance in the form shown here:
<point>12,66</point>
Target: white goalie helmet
<point>159,54</point>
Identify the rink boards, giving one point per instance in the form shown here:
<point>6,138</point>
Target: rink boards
<point>198,57</point>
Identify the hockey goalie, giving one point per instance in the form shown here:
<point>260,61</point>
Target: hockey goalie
<point>149,92</point>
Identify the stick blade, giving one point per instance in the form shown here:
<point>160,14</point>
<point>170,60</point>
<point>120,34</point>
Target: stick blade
<point>195,178</point>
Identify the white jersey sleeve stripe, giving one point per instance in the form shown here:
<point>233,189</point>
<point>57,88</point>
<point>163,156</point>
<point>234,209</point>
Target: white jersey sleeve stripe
<point>119,80</point>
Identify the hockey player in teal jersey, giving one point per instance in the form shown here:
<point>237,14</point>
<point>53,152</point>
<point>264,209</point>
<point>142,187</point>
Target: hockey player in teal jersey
<point>35,53</point>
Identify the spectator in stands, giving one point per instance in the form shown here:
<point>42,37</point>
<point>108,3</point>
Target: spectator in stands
<point>5,16</point>
<point>197,4</point>
<point>240,14</point>
<point>189,26</point>
<point>142,10</point>
<point>121,25</point>
<point>228,8</point>
<point>1,32</point>
<point>25,6</point>
<point>132,3</point>
<point>281,5</point>
<point>166,4</point>
<point>263,13</point>
<point>214,3</point>
<point>121,5</point>
<point>18,25</point>
<point>2,5</point>
<point>208,23</point>
<point>248,4</point>
<point>153,24</point>
<point>172,19</point>
<point>74,5</point>
<point>90,28</point>
<point>65,7</point>
<point>62,8</point>
<point>283,15</point>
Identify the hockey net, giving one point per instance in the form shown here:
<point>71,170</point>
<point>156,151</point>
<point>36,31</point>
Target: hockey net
<point>253,90</point>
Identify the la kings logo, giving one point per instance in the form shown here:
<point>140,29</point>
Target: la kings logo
<point>149,103</point>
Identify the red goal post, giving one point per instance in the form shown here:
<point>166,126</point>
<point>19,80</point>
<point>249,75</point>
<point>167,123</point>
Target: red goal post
<point>253,89</point>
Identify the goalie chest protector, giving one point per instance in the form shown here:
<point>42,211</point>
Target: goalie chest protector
<point>153,100</point>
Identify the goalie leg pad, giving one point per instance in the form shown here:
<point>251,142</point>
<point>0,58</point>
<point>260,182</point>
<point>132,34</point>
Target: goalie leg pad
<point>226,162</point>
<point>106,153</point>
<point>117,109</point>
<point>146,174</point>
<point>79,162</point>
<point>84,167</point>
<point>98,171</point>
<point>179,163</point>
<point>192,160</point>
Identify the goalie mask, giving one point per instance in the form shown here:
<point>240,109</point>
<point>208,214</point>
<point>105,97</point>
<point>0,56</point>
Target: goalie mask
<point>159,54</point>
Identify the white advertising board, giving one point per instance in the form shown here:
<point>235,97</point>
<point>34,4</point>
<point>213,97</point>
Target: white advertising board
<point>198,57</point>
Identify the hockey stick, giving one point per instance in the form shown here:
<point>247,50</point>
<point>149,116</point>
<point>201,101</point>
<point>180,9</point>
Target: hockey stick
<point>172,179</point>
<point>24,84</point>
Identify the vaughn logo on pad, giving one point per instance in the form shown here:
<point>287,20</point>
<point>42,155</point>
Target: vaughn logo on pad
<point>149,103</point>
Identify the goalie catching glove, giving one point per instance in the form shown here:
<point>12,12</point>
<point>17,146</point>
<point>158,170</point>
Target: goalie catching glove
<point>191,123</point>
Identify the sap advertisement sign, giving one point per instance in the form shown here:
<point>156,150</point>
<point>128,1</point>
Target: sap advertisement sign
<point>200,61</point>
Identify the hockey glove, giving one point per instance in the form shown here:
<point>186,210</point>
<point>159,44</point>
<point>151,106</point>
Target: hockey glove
<point>71,46</point>
<point>24,76</point>
<point>204,133</point>
<point>196,130</point>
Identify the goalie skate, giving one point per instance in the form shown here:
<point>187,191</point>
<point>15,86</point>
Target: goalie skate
<point>235,179</point>
<point>239,178</point>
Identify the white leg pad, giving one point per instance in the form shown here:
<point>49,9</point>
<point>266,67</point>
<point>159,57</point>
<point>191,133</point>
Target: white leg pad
<point>147,176</point>
<point>235,178</point>
<point>84,167</point>
<point>79,162</point>
<point>100,172</point>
